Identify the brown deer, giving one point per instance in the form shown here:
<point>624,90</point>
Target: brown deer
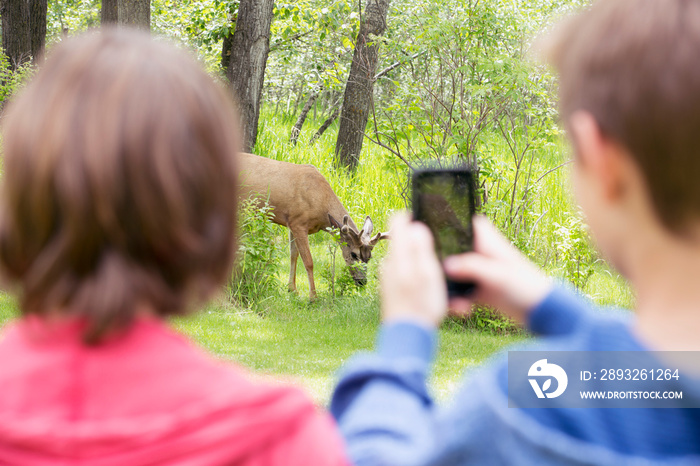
<point>303,201</point>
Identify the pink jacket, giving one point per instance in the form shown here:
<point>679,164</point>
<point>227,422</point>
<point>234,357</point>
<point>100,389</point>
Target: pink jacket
<point>146,397</point>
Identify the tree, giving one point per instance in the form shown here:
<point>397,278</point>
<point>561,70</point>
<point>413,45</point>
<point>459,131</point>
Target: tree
<point>329,121</point>
<point>134,13</point>
<point>226,52</point>
<point>37,26</point>
<point>109,13</point>
<point>249,49</point>
<point>23,29</point>
<point>296,129</point>
<point>15,31</point>
<point>358,90</point>
<point>225,32</point>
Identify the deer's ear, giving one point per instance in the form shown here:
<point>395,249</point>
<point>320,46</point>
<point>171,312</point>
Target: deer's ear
<point>334,222</point>
<point>368,226</point>
<point>378,237</point>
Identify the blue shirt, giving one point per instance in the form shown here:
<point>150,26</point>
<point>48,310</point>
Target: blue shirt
<point>387,417</point>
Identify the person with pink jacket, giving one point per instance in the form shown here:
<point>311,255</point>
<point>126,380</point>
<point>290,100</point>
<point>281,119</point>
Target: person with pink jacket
<point>118,209</point>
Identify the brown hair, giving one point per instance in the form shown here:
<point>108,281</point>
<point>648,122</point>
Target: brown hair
<point>633,64</point>
<point>119,186</point>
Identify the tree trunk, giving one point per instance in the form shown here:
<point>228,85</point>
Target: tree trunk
<point>302,118</point>
<point>358,90</point>
<point>16,40</point>
<point>109,13</point>
<point>299,95</point>
<point>226,44</point>
<point>134,13</point>
<point>325,125</point>
<point>37,27</point>
<point>246,72</point>
<point>226,53</point>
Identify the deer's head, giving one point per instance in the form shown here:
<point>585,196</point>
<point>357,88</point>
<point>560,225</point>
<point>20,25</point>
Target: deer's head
<point>357,246</point>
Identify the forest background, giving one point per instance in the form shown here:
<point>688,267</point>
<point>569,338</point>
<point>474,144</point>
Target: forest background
<point>454,81</point>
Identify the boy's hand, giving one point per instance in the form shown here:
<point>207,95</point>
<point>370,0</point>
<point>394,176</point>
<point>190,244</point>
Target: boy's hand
<point>413,286</point>
<point>504,278</point>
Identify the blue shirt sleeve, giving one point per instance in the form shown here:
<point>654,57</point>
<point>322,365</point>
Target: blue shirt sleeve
<point>383,408</point>
<point>562,312</point>
<point>381,403</point>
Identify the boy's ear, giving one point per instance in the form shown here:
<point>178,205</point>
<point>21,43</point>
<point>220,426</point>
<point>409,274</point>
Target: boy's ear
<point>598,156</point>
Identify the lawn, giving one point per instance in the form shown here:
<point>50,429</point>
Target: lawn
<point>306,344</point>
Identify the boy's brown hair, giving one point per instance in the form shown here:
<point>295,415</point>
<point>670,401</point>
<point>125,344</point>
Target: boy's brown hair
<point>634,65</point>
<point>119,185</point>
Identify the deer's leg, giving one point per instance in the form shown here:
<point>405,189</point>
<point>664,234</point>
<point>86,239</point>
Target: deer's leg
<point>301,238</point>
<point>294,251</point>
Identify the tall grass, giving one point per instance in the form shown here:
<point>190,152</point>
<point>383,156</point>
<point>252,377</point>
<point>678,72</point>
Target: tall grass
<point>379,189</point>
<point>378,186</point>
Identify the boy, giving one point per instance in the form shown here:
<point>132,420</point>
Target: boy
<point>630,99</point>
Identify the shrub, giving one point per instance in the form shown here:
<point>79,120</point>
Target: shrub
<point>487,320</point>
<point>12,80</point>
<point>256,263</point>
<point>335,273</point>
<point>576,255</point>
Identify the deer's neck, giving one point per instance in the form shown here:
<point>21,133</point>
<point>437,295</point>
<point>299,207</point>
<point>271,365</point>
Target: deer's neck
<point>338,211</point>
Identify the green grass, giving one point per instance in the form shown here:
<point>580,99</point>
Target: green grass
<point>289,337</point>
<point>608,288</point>
<point>8,308</point>
<point>306,343</point>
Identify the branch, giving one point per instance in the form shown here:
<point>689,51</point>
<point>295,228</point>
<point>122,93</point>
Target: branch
<point>386,70</point>
<point>390,149</point>
<point>291,39</point>
<point>532,232</point>
<point>551,170</point>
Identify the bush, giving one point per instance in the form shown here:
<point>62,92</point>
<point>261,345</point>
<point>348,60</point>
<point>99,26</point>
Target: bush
<point>256,263</point>
<point>575,252</point>
<point>335,273</point>
<point>488,320</point>
<point>12,81</point>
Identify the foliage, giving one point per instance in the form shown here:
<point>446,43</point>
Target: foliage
<point>575,252</point>
<point>311,53</point>
<point>254,276</point>
<point>485,319</point>
<point>69,17</point>
<point>465,77</point>
<point>199,24</point>
<point>469,92</point>
<point>456,82</point>
<point>12,81</point>
<point>339,280</point>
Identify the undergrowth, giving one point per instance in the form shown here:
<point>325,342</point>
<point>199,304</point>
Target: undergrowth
<point>254,275</point>
<point>551,232</point>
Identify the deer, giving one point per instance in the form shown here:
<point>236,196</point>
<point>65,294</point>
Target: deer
<point>303,201</point>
